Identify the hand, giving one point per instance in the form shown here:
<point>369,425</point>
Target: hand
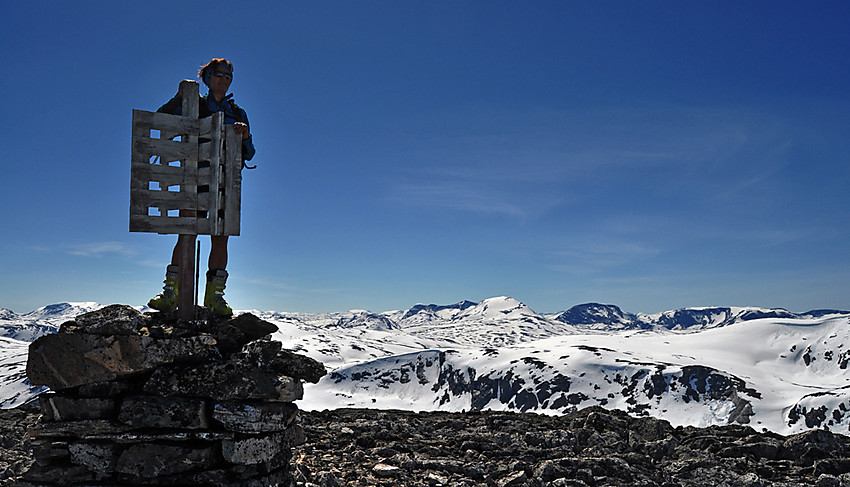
<point>242,129</point>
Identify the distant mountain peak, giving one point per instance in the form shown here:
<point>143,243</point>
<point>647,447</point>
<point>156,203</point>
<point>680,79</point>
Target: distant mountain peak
<point>596,313</point>
<point>65,310</point>
<point>29,326</point>
<point>497,307</point>
<point>435,308</point>
<point>366,319</point>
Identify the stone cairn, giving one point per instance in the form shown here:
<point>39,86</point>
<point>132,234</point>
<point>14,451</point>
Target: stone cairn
<point>136,399</point>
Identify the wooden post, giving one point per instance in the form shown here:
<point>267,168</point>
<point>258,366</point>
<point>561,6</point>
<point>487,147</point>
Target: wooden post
<point>233,176</point>
<point>189,91</point>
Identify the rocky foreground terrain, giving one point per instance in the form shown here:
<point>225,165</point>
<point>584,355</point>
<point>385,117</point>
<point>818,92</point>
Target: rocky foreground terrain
<point>592,447</point>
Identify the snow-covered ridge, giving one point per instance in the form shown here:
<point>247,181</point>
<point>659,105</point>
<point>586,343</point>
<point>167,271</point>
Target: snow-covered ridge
<point>785,375</point>
<point>514,321</point>
<point>29,326</point>
<point>768,368</point>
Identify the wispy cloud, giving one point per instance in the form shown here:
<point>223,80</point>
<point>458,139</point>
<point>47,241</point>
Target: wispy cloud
<point>522,164</point>
<point>100,249</point>
<point>458,195</point>
<point>593,256</point>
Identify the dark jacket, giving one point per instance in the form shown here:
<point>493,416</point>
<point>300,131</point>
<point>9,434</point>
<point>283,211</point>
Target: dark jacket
<point>207,106</point>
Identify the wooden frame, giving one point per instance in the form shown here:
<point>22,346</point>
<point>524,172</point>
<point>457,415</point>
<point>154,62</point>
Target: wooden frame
<point>208,153</point>
<point>165,175</point>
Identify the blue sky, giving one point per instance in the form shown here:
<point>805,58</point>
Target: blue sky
<point>653,155</point>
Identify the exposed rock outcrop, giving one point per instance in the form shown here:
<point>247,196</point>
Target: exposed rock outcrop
<point>589,448</point>
<point>140,399</point>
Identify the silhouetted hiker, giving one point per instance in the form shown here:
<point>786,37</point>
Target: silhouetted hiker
<point>217,75</point>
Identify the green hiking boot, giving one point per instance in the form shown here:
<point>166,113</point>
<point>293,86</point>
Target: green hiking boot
<point>214,294</point>
<point>166,301</point>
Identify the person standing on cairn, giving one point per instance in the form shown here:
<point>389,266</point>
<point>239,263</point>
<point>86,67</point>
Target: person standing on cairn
<point>217,75</point>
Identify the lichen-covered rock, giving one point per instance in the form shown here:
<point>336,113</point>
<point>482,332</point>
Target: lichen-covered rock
<point>55,407</point>
<point>235,333</point>
<point>153,460</point>
<point>223,381</point>
<point>59,475</point>
<point>272,449</point>
<point>63,361</point>
<point>587,448</point>
<point>483,449</point>
<point>164,412</point>
<point>144,399</point>
<point>270,355</point>
<point>84,429</point>
<point>117,319</point>
<point>108,389</point>
<point>254,417</point>
<point>299,366</point>
<point>97,457</point>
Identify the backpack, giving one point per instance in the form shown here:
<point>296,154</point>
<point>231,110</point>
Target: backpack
<point>204,108</point>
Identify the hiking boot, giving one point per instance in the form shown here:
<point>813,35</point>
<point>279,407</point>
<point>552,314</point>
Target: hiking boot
<point>214,294</point>
<point>166,301</point>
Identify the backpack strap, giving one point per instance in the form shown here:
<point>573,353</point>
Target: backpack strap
<point>204,107</point>
<point>236,110</point>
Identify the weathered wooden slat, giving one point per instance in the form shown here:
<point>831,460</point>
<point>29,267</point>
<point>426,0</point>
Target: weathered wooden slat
<point>168,150</point>
<point>172,134</point>
<point>138,207</point>
<point>169,225</point>
<point>168,125</point>
<point>167,209</point>
<point>173,200</point>
<point>166,181</point>
<point>233,195</point>
<point>145,167</point>
<point>205,128</point>
<point>137,183</point>
<point>204,150</point>
<point>216,182</point>
<point>170,199</point>
<point>167,176</point>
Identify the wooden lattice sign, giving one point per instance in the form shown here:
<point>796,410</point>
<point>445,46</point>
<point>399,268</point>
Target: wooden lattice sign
<point>186,175</point>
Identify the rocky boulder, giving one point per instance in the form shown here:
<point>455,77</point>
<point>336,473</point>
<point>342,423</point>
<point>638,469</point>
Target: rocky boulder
<point>146,399</point>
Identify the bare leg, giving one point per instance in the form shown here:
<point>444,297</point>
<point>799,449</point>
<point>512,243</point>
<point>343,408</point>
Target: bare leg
<point>175,254</point>
<point>218,252</point>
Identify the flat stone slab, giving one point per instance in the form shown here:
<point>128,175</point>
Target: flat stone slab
<point>272,449</point>
<point>164,412</point>
<point>116,319</point>
<point>223,381</point>
<point>97,457</point>
<point>66,360</point>
<point>107,430</point>
<point>154,460</point>
<point>55,407</point>
<point>254,417</point>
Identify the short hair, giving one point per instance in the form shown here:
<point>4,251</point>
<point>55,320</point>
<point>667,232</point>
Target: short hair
<point>204,71</point>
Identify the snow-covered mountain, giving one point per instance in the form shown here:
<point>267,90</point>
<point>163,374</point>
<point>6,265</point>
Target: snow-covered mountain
<point>768,368</point>
<point>29,326</point>
<point>608,317</point>
<point>14,387</point>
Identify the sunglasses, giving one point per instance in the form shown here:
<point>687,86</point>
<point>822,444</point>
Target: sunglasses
<point>219,74</point>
